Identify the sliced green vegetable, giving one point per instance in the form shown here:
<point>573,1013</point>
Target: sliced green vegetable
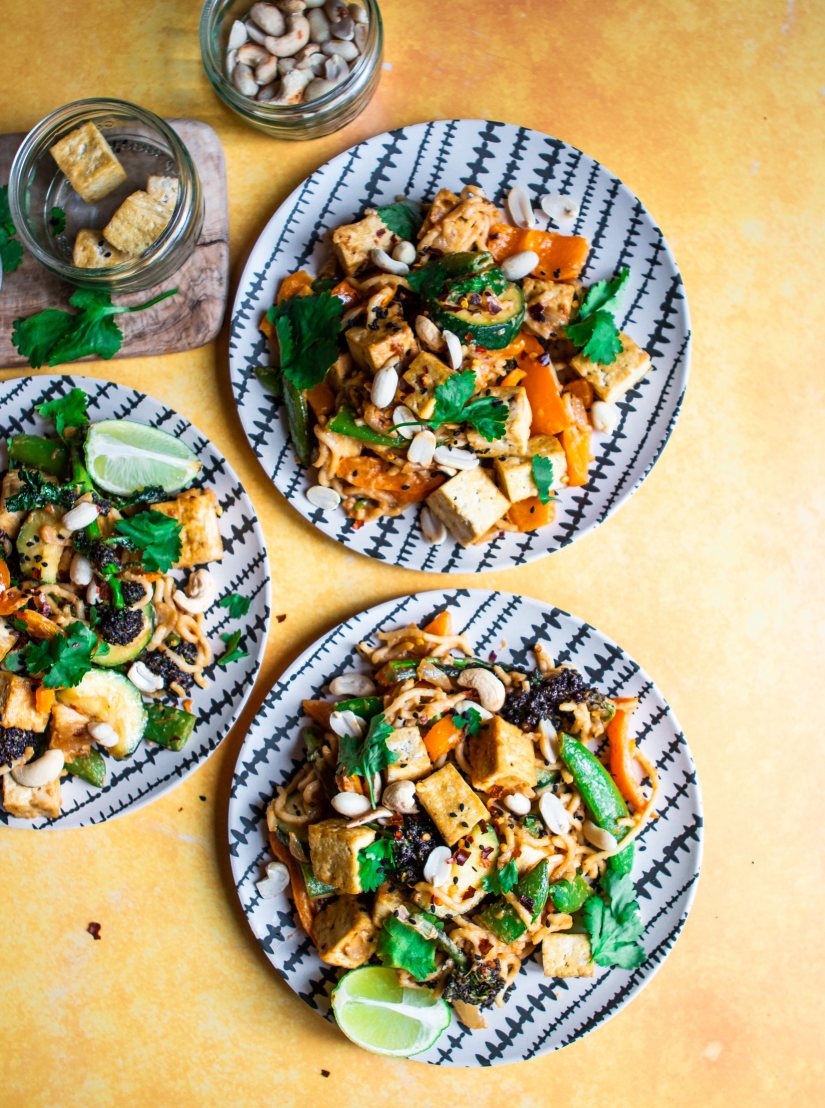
<point>297,414</point>
<point>44,454</point>
<point>492,330</point>
<point>343,423</point>
<point>91,767</point>
<point>502,919</point>
<point>569,896</point>
<point>315,887</point>
<point>600,794</point>
<point>120,653</point>
<point>168,726</point>
<point>364,706</point>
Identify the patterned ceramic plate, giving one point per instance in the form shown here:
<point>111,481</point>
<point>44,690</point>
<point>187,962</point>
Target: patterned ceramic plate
<point>540,1015</point>
<point>417,161</point>
<point>153,770</point>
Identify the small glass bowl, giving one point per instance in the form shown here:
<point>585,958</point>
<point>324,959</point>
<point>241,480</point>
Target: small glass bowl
<point>145,145</point>
<point>322,116</point>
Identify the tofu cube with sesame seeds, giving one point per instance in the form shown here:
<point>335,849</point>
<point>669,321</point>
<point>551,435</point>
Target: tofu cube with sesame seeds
<point>8,637</point>
<point>17,704</point>
<point>502,755</point>
<point>566,955</point>
<point>413,759</point>
<point>549,306</point>
<point>425,374</point>
<point>136,224</point>
<point>353,241</point>
<point>26,803</point>
<point>388,899</point>
<point>197,512</point>
<point>89,162</point>
<point>92,251</point>
<point>612,381</point>
<point>344,933</point>
<point>383,341</point>
<point>450,803</point>
<point>515,475</point>
<point>468,505</point>
<point>164,189</point>
<point>516,430</point>
<point>333,851</point>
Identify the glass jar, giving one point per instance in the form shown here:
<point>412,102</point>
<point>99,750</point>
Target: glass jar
<point>145,145</point>
<point>321,116</point>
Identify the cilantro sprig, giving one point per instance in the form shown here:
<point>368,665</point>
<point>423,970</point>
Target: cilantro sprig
<point>238,605</point>
<point>614,923</point>
<point>70,410</point>
<point>403,218</point>
<point>502,880</point>
<point>11,251</point>
<point>402,947</point>
<point>543,476</point>
<point>54,337</point>
<point>594,329</point>
<point>63,661</point>
<point>234,651</point>
<point>364,758</point>
<point>156,536</point>
<point>57,220</point>
<point>470,721</point>
<point>307,328</point>
<point>374,864</point>
<point>455,403</point>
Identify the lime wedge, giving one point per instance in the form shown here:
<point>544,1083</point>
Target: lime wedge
<point>375,1011</point>
<point>124,457</point>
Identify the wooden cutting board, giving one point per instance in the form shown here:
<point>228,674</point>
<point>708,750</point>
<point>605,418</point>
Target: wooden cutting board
<point>183,322</point>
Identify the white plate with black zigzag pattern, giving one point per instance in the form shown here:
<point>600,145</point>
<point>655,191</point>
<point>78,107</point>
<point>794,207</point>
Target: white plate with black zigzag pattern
<point>540,1015</point>
<point>416,161</point>
<point>153,770</point>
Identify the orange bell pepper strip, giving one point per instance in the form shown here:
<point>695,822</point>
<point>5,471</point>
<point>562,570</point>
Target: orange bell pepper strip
<point>441,625</point>
<point>549,413</point>
<point>514,377</point>
<point>575,439</point>
<point>622,751</point>
<point>5,576</point>
<point>11,600</point>
<point>44,699</point>
<point>561,257</point>
<point>503,240</point>
<point>40,627</point>
<point>321,399</point>
<point>303,904</point>
<point>296,284</point>
<point>318,711</point>
<point>345,292</point>
<point>530,514</point>
<point>442,737</point>
<point>514,348</point>
<point>581,388</point>
<point>372,473</point>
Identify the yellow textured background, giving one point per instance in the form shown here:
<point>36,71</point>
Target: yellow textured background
<point>711,576</point>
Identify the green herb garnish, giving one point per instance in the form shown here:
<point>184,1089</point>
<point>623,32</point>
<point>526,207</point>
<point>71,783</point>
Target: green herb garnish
<point>470,720</point>
<point>374,864</point>
<point>454,403</point>
<point>37,492</point>
<point>543,476</point>
<point>614,923</point>
<point>67,411</point>
<point>402,947</point>
<point>501,880</point>
<point>156,536</point>
<point>238,605</point>
<point>369,756</point>
<point>307,328</point>
<point>63,661</point>
<point>594,328</point>
<point>403,218</point>
<point>57,220</point>
<point>234,651</point>
<point>11,252</point>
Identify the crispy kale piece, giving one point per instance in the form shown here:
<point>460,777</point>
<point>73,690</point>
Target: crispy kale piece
<point>412,845</point>
<point>36,492</point>
<point>479,984</point>
<point>119,626</point>
<point>132,591</point>
<point>162,662</point>
<point>542,699</point>
<point>13,744</point>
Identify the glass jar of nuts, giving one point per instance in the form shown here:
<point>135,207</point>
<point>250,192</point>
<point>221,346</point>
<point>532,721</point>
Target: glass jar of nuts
<point>295,69</point>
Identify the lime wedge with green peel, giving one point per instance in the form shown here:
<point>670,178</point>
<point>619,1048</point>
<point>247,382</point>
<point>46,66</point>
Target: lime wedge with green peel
<point>376,1012</point>
<point>124,457</point>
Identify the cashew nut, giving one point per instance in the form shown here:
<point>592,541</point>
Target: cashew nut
<point>252,55</point>
<point>291,7</point>
<point>290,43</point>
<point>490,689</point>
<point>244,80</point>
<point>201,591</point>
<point>400,796</point>
<point>292,87</point>
<point>41,771</point>
<point>318,87</point>
<point>268,18</point>
<point>267,71</point>
<point>370,816</point>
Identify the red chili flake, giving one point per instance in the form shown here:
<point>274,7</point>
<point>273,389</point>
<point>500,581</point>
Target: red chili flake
<point>94,931</point>
<point>486,851</point>
<point>324,1073</point>
<point>526,902</point>
<point>460,857</point>
<point>484,947</point>
<point>468,893</point>
<point>492,655</point>
<point>281,618</point>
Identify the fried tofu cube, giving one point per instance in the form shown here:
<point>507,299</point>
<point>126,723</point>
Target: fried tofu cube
<point>92,251</point>
<point>426,372</point>
<point>67,731</point>
<point>468,505</point>
<point>444,202</point>
<point>549,306</point>
<point>566,955</point>
<point>17,705</point>
<point>515,475</point>
<point>612,381</point>
<point>502,755</point>
<point>200,539</point>
<point>413,759</point>
<point>89,162</point>
<point>164,189</point>
<point>517,428</point>
<point>387,900</point>
<point>344,933</point>
<point>136,224</point>
<point>8,638</point>
<point>353,241</point>
<point>391,341</point>
<point>333,850</point>
<point>450,803</point>
<point>25,803</point>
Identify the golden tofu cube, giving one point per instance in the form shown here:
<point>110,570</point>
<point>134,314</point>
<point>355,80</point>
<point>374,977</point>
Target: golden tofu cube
<point>197,512</point>
<point>333,850</point>
<point>353,241</point>
<point>67,731</point>
<point>391,341</point>
<point>387,900</point>
<point>426,372</point>
<point>88,161</point>
<point>8,638</point>
<point>344,933</point>
<point>25,803</point>
<point>92,251</point>
<point>566,955</point>
<point>516,431</point>
<point>502,755</point>
<point>468,505</point>
<point>444,202</point>
<point>164,189</point>
<point>549,306</point>
<point>413,759</point>
<point>17,706</point>
<point>515,475</point>
<point>450,803</point>
<point>136,224</point>
<point>612,381</point>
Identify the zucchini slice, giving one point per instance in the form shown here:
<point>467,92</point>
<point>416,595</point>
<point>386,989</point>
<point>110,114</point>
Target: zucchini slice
<point>475,322</point>
<point>120,653</point>
<point>113,699</point>
<point>38,560</point>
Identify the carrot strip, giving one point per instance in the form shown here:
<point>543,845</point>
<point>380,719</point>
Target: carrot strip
<point>582,389</point>
<point>622,754</point>
<point>530,514</point>
<point>372,473</point>
<point>345,292</point>
<point>5,576</point>
<point>321,399</point>
<point>442,737</point>
<point>41,627</point>
<point>319,711</point>
<point>561,257</point>
<point>303,905</point>
<point>441,625</point>
<point>43,698</point>
<point>575,439</point>
<point>296,284</point>
<point>514,377</point>
<point>12,600</point>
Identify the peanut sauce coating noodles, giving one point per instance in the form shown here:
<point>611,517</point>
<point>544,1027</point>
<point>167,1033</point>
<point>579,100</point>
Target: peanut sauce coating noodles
<point>453,816</point>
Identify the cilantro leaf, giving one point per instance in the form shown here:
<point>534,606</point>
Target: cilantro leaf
<point>64,660</point>
<point>594,329</point>
<point>403,218</point>
<point>370,756</point>
<point>11,251</point>
<point>238,605</point>
<point>36,492</point>
<point>374,864</point>
<point>488,415</point>
<point>66,411</point>
<point>614,923</point>
<point>57,220</point>
<point>604,296</point>
<point>156,536</point>
<point>57,337</point>
<point>454,403</point>
<point>234,651</point>
<point>402,947</point>
<point>543,476</point>
<point>470,721</point>
<point>307,329</point>
<point>501,880</point>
